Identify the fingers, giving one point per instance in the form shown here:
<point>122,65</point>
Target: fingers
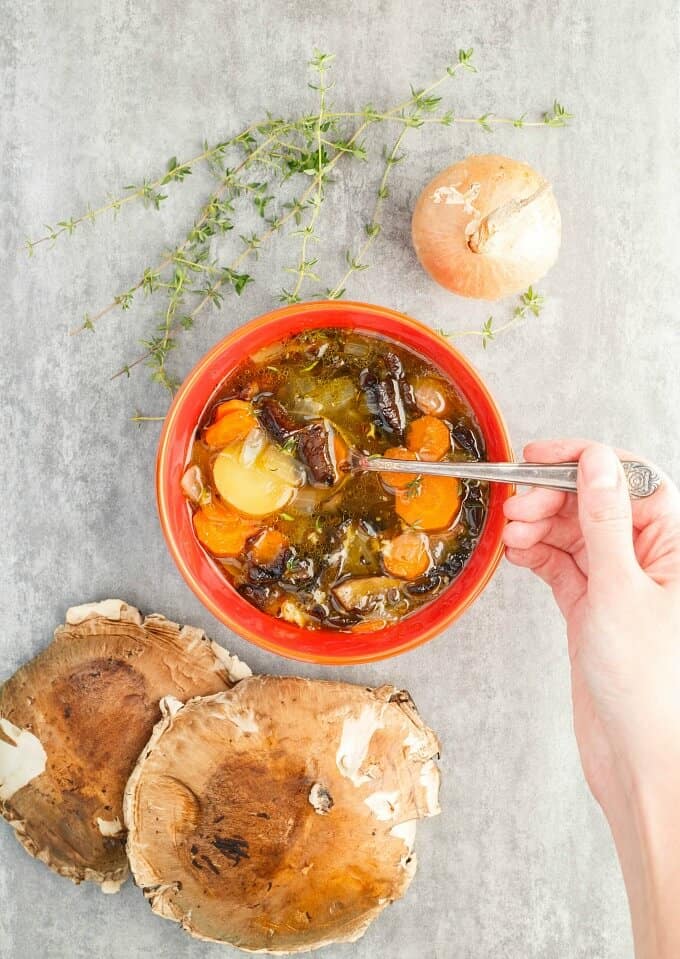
<point>666,500</point>
<point>555,451</point>
<point>555,568</point>
<point>606,520</point>
<point>564,533</point>
<point>520,535</point>
<point>543,515</point>
<point>536,505</point>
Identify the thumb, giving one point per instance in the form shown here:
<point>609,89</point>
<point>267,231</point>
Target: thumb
<point>605,516</point>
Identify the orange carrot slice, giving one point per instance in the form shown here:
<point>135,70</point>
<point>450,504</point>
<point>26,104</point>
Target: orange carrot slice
<point>217,511</point>
<point>230,406</point>
<point>267,548</point>
<point>431,503</point>
<point>341,451</point>
<point>221,530</point>
<point>395,481</point>
<point>429,437</point>
<point>407,556</point>
<point>369,626</point>
<point>234,420</point>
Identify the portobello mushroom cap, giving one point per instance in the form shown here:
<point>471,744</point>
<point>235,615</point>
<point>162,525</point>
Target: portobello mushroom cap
<point>74,720</point>
<point>280,816</point>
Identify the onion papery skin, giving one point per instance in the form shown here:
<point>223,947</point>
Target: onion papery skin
<point>517,244</point>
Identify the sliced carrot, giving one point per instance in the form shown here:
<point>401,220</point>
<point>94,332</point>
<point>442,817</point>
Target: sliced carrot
<point>429,437</point>
<point>221,530</point>
<point>230,406</point>
<point>407,556</point>
<point>341,451</point>
<point>267,548</point>
<point>231,425</point>
<point>369,626</point>
<point>217,511</point>
<point>394,481</point>
<point>431,503</point>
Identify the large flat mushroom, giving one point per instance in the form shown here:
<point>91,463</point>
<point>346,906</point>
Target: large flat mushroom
<point>280,816</point>
<point>74,720</point>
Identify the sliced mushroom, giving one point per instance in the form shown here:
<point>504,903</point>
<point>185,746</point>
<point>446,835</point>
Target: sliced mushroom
<point>396,368</point>
<point>314,449</point>
<point>277,421</point>
<point>468,441</point>
<point>74,720</point>
<point>368,594</point>
<point>280,816</point>
<point>385,401</point>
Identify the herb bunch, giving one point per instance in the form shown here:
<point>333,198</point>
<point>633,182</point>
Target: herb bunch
<point>280,171</point>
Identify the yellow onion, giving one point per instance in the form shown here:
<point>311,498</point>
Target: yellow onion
<point>487,227</point>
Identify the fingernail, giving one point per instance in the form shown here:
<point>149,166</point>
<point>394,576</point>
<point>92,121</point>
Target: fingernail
<point>600,467</point>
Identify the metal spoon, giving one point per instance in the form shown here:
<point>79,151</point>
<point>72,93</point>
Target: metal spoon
<point>642,480</point>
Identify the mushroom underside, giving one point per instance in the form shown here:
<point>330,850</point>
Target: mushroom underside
<point>280,816</point>
<point>74,720</point>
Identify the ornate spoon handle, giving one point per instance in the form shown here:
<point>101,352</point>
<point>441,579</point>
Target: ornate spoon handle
<point>642,480</point>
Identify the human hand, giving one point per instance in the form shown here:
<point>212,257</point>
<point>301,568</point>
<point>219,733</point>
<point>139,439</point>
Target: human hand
<point>614,569</point>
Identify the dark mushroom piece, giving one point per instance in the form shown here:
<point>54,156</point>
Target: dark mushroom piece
<point>474,508</point>
<point>277,421</point>
<point>385,402</point>
<point>396,368</point>
<point>265,596</point>
<point>468,441</point>
<point>453,565</point>
<point>426,584</point>
<point>313,447</point>
<point>342,621</point>
<point>394,365</point>
<point>261,573</point>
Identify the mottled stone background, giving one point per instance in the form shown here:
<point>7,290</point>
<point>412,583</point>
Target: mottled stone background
<point>96,94</point>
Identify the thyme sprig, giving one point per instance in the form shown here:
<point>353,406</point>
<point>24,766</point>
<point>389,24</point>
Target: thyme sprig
<point>213,220</point>
<point>158,348</point>
<point>155,356</point>
<point>530,302</point>
<point>423,101</point>
<point>256,173</point>
<point>148,192</point>
<point>304,269</point>
<point>212,295</point>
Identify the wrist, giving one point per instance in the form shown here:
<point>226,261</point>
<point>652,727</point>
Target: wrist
<point>645,826</point>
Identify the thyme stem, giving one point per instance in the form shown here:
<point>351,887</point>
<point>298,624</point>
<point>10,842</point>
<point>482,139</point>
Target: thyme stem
<point>373,228</point>
<point>215,196</point>
<point>529,302</point>
<point>234,265</point>
<point>146,191</point>
<point>188,277</point>
<point>305,265</point>
<point>355,263</point>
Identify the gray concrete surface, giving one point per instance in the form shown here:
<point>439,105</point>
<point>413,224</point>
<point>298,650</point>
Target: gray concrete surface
<point>94,94</point>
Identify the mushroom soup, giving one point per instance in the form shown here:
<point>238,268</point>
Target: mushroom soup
<point>297,534</point>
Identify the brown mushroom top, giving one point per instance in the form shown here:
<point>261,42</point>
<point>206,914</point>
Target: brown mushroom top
<point>74,720</point>
<point>280,816</point>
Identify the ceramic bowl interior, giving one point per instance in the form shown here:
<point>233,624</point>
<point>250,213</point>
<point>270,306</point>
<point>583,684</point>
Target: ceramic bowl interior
<point>202,573</point>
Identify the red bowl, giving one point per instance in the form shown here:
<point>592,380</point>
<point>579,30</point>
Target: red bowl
<point>202,573</point>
